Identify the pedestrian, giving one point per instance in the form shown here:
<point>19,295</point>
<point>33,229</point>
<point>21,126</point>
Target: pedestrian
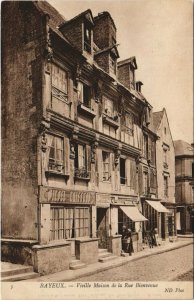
<point>153,238</point>
<point>156,236</point>
<point>129,242</point>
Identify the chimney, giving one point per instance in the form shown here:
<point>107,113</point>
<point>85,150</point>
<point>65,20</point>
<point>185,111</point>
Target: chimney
<point>138,86</point>
<point>126,72</point>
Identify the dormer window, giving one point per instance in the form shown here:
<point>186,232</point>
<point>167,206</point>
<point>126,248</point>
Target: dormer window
<point>112,64</point>
<point>87,38</point>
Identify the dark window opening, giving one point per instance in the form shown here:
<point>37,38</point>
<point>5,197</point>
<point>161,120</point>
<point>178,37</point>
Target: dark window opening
<point>87,96</point>
<point>87,38</point>
<point>166,186</point>
<point>192,170</point>
<point>122,171</point>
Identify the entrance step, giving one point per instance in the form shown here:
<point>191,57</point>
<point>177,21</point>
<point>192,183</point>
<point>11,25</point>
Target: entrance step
<point>76,264</point>
<point>102,250</point>
<point>19,277</point>
<point>107,258</point>
<point>16,272</point>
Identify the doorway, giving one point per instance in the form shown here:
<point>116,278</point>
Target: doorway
<point>102,227</point>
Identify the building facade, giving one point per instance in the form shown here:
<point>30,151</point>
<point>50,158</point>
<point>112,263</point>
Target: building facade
<point>165,162</point>
<point>78,143</point>
<point>184,177</point>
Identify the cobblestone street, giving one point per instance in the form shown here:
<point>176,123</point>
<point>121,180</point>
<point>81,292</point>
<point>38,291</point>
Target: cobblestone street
<point>161,267</point>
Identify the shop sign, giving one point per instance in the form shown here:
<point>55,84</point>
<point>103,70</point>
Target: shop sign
<point>102,200</point>
<point>123,201</point>
<point>54,195</point>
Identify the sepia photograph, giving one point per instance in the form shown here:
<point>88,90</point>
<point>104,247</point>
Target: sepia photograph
<point>97,150</point>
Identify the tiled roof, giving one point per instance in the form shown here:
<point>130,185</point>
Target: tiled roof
<point>157,117</point>
<point>183,148</point>
<point>56,18</point>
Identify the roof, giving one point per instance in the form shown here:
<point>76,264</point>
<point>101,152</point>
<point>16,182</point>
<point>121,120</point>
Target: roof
<point>157,117</point>
<point>183,148</point>
<point>55,17</point>
<point>87,13</point>
<point>127,61</point>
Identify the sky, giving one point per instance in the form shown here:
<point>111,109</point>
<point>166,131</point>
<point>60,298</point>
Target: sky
<point>159,34</point>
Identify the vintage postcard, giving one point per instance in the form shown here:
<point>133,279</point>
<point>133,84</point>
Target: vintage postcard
<point>97,149</point>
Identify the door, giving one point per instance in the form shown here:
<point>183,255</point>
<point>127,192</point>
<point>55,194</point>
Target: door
<point>163,231</point>
<point>102,227</point>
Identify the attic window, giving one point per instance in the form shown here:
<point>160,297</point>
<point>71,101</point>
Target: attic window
<point>113,64</point>
<point>87,38</point>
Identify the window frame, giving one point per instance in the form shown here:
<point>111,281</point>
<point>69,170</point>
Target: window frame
<point>166,186</point>
<point>59,228</point>
<point>56,91</point>
<point>123,180</point>
<point>87,42</point>
<point>59,165</point>
<point>106,163</point>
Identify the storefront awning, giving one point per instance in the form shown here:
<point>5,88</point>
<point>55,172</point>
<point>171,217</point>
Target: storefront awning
<point>158,206</point>
<point>133,213</point>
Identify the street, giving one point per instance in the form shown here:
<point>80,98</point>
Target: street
<point>172,265</point>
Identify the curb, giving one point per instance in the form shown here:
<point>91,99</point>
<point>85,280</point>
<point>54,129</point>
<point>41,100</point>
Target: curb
<point>120,263</point>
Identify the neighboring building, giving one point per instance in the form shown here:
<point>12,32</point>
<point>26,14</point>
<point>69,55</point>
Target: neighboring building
<point>78,145</point>
<point>165,162</point>
<point>184,177</point>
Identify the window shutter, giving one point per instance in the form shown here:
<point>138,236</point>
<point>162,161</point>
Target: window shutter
<point>133,174</point>
<point>149,149</point>
<point>80,91</point>
<point>128,171</point>
<point>66,156</point>
<point>88,157</point>
<point>140,178</point>
<point>99,164</point>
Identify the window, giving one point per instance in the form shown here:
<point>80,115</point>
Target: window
<point>109,107</point>
<point>106,166</point>
<point>145,146</point>
<point>145,183</point>
<point>59,83</point>
<point>122,171</point>
<point>69,222</point>
<point>85,94</point>
<point>164,130</point>
<point>129,123</point>
<point>56,153</point>
<point>87,38</point>
<point>112,64</point>
<point>165,155</point>
<point>165,186</point>
<point>80,161</point>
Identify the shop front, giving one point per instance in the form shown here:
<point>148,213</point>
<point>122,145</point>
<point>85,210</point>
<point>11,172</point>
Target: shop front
<point>66,217</point>
<point>156,213</point>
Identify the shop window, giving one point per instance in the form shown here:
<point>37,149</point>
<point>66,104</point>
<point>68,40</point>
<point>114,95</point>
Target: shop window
<point>59,83</point>
<point>56,153</point>
<point>122,171</point>
<point>165,186</point>
<point>87,38</point>
<point>124,220</point>
<point>69,222</point>
<point>106,166</point>
<point>80,161</point>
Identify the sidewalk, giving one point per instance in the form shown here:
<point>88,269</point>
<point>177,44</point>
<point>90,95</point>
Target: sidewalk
<point>70,275</point>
